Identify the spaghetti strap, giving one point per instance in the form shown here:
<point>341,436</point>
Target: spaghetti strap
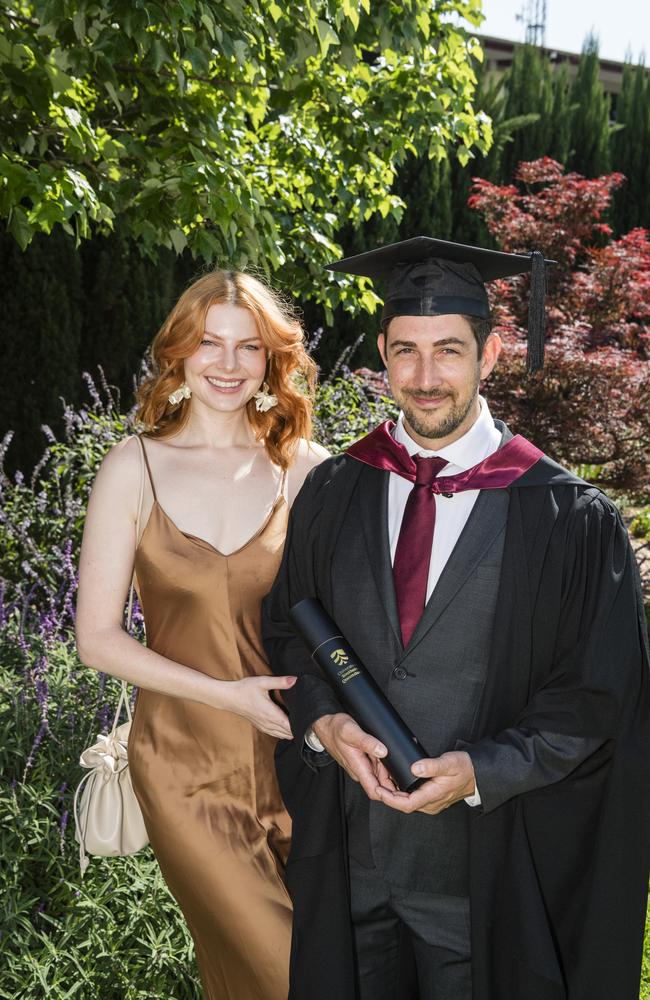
<point>147,466</point>
<point>283,484</point>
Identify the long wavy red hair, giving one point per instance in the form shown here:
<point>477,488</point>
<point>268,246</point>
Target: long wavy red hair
<point>291,373</point>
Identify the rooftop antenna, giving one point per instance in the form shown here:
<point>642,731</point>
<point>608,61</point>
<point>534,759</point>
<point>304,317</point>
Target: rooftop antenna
<point>533,14</point>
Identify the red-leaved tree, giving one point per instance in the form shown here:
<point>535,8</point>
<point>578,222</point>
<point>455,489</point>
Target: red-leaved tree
<point>591,403</point>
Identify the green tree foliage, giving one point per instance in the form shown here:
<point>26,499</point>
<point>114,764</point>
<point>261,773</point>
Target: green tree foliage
<point>559,147</point>
<point>68,310</point>
<point>425,187</point>
<point>539,101</point>
<point>529,89</point>
<point>126,298</point>
<point>590,124</point>
<point>246,131</point>
<point>40,331</point>
<point>535,110</point>
<point>630,149</point>
<point>493,97</point>
<point>435,193</point>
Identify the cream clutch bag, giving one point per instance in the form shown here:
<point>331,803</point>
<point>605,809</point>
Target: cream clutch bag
<point>107,815</point>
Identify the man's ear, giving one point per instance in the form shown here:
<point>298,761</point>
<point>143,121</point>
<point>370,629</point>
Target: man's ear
<point>381,347</point>
<point>491,352</point>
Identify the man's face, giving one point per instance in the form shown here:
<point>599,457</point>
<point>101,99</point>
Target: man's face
<point>434,372</point>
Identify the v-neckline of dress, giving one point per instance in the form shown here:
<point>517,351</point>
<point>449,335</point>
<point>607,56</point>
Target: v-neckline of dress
<point>204,543</point>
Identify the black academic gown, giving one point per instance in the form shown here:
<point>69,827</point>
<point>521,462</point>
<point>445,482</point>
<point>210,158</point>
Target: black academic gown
<point>558,876</point>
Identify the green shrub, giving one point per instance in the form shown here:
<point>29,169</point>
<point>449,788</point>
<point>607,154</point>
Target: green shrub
<point>640,525</point>
<point>346,410</point>
<point>116,934</point>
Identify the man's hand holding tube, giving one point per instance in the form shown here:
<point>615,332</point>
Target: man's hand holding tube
<point>357,752</point>
<point>447,779</point>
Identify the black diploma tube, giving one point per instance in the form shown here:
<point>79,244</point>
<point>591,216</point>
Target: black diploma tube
<point>357,691</point>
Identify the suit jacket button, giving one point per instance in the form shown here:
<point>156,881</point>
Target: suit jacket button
<point>400,673</point>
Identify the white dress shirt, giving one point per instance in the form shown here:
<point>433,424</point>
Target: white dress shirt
<point>481,440</point>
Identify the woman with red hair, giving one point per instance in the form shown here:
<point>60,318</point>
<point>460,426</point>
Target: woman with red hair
<point>226,447</point>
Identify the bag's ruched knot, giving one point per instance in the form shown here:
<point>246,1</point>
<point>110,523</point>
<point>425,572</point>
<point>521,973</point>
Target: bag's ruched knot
<point>108,754</point>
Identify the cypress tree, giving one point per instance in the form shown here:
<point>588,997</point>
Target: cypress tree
<point>65,311</point>
<point>40,331</point>
<point>559,145</point>
<point>530,91</point>
<point>126,297</point>
<point>513,126</point>
<point>425,186</point>
<point>590,128</point>
<point>630,149</point>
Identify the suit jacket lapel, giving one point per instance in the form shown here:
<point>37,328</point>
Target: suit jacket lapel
<point>373,497</point>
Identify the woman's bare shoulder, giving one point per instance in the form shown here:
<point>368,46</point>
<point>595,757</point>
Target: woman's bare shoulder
<point>122,458</point>
<point>120,470</point>
<point>307,456</point>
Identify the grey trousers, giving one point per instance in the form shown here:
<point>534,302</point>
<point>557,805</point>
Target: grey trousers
<point>433,929</point>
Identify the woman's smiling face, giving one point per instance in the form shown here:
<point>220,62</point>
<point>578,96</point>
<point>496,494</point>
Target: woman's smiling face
<point>229,365</point>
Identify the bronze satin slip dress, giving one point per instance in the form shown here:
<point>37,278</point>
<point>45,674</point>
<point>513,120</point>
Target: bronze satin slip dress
<point>205,778</point>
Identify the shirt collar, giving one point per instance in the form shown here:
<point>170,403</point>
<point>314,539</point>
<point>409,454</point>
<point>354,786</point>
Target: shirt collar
<point>482,439</point>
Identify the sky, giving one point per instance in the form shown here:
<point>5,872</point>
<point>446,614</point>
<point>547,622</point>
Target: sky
<point>620,25</point>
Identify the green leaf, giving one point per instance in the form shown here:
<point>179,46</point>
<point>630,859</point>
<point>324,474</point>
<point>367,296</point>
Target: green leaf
<point>351,12</point>
<point>20,228</point>
<point>73,117</point>
<point>208,22</point>
<point>179,240</point>
<point>160,54</point>
<point>112,93</point>
<point>61,82</point>
<point>326,36</point>
<point>241,51</point>
<point>79,25</point>
<point>423,22</point>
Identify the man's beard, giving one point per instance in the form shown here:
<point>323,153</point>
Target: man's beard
<point>434,426</point>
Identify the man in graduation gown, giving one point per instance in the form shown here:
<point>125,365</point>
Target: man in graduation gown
<point>495,598</point>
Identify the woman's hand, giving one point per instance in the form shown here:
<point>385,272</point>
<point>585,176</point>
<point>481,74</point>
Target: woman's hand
<point>251,698</point>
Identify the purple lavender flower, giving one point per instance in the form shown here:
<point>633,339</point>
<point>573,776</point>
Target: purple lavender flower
<point>315,339</point>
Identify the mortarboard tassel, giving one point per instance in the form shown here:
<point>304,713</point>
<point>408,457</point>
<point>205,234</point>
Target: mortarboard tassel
<point>536,313</point>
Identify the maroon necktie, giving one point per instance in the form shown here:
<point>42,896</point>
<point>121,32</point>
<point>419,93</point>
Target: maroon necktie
<point>413,552</point>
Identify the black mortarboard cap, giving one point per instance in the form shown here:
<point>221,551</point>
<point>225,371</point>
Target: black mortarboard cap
<point>429,277</point>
